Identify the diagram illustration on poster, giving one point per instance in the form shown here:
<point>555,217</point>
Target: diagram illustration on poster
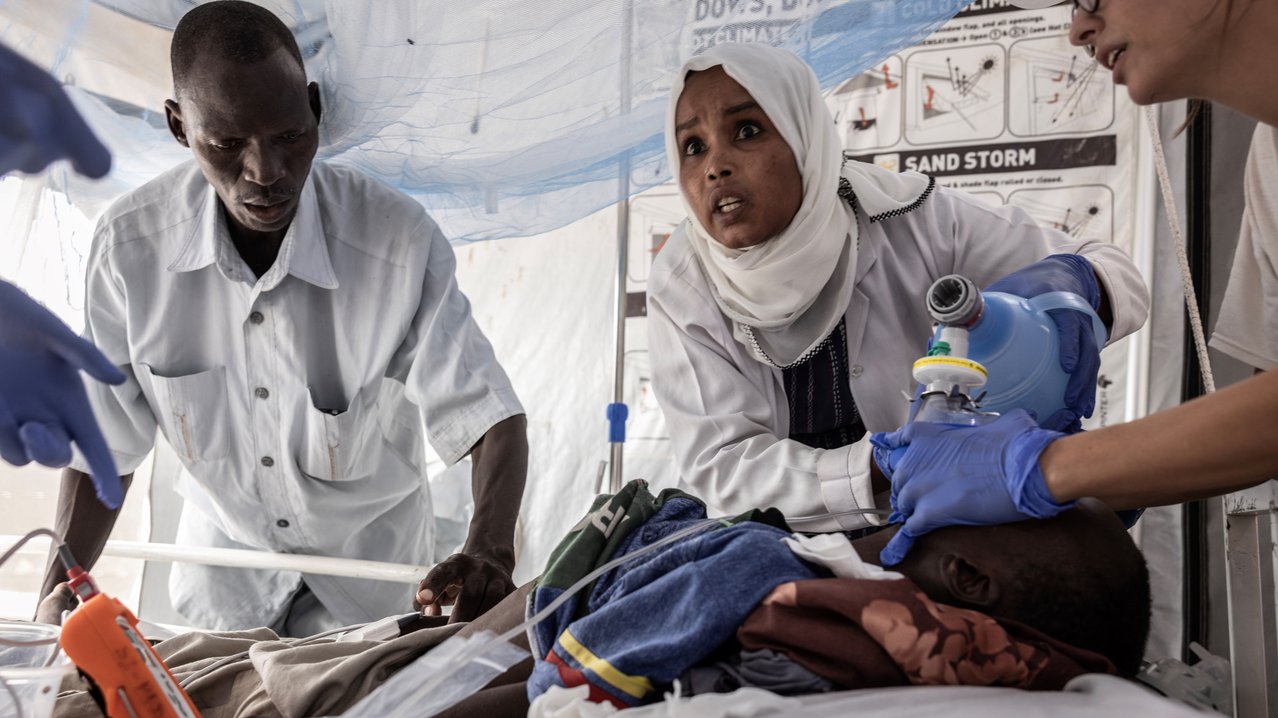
<point>1056,89</point>
<point>1083,212</point>
<point>867,108</point>
<point>955,94</point>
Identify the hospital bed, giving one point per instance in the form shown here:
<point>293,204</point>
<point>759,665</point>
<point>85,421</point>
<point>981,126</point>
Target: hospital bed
<point>1091,695</point>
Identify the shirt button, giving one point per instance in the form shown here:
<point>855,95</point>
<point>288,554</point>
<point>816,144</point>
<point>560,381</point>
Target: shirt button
<point>256,318</point>
<point>282,523</point>
<point>268,461</point>
<point>262,393</point>
<point>857,370</point>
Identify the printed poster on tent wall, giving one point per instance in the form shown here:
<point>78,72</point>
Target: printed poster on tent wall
<point>999,104</point>
<point>996,103</point>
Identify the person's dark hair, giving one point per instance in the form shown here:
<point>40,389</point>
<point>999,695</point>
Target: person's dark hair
<point>1101,604</point>
<point>238,31</point>
<point>1192,111</point>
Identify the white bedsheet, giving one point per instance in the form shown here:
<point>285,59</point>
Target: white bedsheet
<point>1090,695</point>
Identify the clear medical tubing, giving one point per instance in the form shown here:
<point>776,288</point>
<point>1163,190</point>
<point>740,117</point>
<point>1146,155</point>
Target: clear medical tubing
<point>467,675</point>
<point>53,656</point>
<point>407,697</point>
<point>8,555</point>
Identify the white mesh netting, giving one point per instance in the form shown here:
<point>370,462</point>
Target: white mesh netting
<point>503,117</point>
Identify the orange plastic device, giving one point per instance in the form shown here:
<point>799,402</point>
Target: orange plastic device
<point>102,639</point>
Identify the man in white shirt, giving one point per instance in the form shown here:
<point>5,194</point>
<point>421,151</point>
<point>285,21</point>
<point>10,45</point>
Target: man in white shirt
<point>290,327</point>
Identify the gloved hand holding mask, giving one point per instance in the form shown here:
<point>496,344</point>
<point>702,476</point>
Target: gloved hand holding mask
<point>966,475</point>
<point>1079,354</point>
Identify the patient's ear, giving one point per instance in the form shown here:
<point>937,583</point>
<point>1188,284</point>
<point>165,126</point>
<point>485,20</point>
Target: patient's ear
<point>968,583</point>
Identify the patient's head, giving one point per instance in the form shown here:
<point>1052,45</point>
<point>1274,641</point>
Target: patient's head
<point>1076,577</point>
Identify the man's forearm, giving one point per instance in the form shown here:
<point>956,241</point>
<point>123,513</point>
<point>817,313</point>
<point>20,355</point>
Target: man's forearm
<point>498,472</point>
<point>83,522</point>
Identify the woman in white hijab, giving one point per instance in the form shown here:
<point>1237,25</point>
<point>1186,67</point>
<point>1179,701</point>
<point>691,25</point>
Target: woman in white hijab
<point>786,311</point>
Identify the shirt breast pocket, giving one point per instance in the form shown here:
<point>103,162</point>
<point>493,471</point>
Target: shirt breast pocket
<point>341,444</point>
<point>192,412</point>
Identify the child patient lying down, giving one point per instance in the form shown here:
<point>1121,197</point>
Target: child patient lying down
<point>744,603</point>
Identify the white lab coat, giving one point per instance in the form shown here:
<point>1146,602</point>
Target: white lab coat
<point>727,412</point>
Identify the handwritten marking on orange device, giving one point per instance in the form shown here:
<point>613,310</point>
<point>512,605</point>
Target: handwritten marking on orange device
<point>101,638</point>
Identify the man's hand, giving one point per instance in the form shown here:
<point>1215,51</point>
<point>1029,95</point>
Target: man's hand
<point>38,124</point>
<point>43,406</point>
<point>476,579</point>
<point>470,583</point>
<point>60,599</point>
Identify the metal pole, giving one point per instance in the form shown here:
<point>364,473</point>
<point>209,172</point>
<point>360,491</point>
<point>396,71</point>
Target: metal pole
<point>1194,588</point>
<point>617,411</point>
<point>247,558</point>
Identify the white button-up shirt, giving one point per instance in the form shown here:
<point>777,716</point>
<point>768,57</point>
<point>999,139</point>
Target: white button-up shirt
<point>296,400</point>
<point>728,414</point>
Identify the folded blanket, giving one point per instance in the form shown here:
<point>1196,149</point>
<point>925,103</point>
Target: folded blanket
<point>642,624</point>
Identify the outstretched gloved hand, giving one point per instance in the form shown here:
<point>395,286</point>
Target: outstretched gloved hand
<point>1079,354</point>
<point>38,124</point>
<point>43,406</point>
<point>966,475</point>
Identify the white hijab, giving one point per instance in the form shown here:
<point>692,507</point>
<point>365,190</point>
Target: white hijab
<point>786,294</point>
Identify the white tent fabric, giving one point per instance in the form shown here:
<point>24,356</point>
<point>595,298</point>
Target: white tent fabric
<point>503,117</point>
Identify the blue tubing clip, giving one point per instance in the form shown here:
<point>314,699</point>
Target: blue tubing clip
<point>617,415</point>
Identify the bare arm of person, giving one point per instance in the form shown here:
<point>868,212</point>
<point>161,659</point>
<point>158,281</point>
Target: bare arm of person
<point>478,578</point>
<point>83,522</point>
<point>1206,447</point>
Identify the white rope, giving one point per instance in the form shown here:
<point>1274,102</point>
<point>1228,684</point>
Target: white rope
<point>1182,256</point>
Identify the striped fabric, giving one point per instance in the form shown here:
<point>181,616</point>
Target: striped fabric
<point>823,414</point>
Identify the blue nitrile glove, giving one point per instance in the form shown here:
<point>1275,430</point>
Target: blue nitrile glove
<point>1079,355</point>
<point>966,475</point>
<point>38,124</point>
<point>43,407</point>
<point>883,456</point>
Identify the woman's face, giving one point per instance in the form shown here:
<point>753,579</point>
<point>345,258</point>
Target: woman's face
<point>736,170</point>
<point>1160,49</point>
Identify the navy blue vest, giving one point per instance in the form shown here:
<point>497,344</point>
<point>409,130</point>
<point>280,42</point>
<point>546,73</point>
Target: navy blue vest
<point>823,414</point>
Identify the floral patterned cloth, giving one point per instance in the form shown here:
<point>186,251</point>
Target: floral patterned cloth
<point>867,634</point>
